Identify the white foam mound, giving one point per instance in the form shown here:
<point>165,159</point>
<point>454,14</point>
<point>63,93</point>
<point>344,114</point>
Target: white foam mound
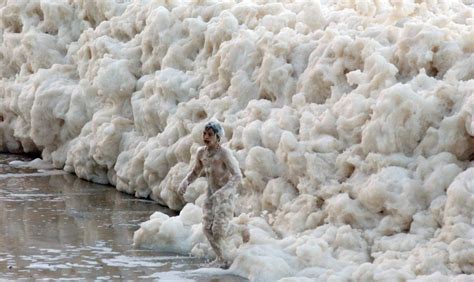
<point>352,122</point>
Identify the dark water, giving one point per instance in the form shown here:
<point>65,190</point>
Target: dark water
<point>56,226</point>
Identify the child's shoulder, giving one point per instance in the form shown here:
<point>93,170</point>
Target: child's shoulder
<point>227,151</point>
<point>201,150</point>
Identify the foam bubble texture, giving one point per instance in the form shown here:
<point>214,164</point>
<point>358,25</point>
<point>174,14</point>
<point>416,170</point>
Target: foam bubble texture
<point>352,122</point>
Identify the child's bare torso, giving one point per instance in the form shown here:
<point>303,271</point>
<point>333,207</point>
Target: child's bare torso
<point>215,169</point>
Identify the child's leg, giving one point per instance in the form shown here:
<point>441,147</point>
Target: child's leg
<point>207,220</point>
<point>208,228</point>
<point>242,229</point>
<point>223,213</point>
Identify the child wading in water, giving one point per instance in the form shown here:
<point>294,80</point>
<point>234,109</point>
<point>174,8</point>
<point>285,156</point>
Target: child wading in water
<point>223,175</point>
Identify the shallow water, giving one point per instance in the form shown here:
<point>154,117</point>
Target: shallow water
<point>54,225</point>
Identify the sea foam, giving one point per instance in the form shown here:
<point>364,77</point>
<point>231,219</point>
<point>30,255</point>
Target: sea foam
<point>352,122</point>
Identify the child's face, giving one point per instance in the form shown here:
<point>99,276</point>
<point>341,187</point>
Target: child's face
<point>209,138</point>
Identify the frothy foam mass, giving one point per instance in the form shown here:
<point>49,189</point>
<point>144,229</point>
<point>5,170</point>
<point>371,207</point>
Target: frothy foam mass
<point>352,122</point>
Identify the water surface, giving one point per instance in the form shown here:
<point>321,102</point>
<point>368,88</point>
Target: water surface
<point>54,225</point>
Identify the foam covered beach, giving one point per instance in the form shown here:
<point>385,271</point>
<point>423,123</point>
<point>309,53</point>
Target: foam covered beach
<point>352,122</point>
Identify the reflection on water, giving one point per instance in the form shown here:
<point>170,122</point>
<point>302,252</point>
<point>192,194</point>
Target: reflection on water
<point>54,225</point>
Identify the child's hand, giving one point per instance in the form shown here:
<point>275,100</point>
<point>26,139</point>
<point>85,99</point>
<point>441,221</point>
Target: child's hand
<point>182,187</point>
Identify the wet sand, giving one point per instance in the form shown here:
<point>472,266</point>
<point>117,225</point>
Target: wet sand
<point>56,226</point>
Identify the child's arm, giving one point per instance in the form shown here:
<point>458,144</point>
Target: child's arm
<point>233,166</point>
<point>193,173</point>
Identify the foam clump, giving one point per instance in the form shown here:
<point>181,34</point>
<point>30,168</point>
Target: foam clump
<point>180,233</point>
<point>34,164</point>
<point>352,122</point>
